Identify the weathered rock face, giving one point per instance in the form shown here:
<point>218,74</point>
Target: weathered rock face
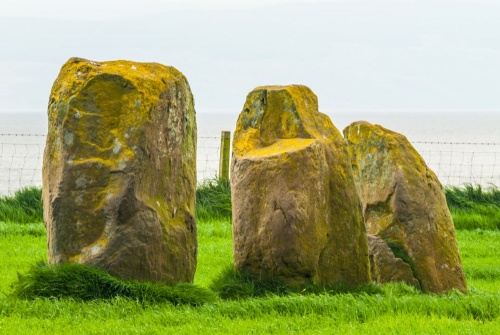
<point>403,203</point>
<point>296,215</point>
<point>119,173</point>
<point>385,266</point>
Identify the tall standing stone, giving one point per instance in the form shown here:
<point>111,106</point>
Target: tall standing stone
<point>404,204</point>
<point>119,173</point>
<point>296,214</point>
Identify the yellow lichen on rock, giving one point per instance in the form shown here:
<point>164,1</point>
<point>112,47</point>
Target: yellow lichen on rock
<point>296,214</point>
<point>404,204</point>
<point>275,113</point>
<point>120,160</point>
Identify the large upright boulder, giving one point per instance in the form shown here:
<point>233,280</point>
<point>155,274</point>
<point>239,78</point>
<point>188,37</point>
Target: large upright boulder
<point>119,172</point>
<point>404,204</point>
<point>296,214</point>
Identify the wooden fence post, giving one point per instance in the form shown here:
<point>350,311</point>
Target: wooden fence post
<point>225,149</point>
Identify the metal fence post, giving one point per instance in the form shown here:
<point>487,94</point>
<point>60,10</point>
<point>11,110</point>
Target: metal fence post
<point>225,149</point>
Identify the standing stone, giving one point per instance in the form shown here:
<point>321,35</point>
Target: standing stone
<point>404,204</point>
<point>119,171</point>
<point>296,215</point>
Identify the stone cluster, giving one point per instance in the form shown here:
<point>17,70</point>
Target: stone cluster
<point>297,187</point>
<point>309,205</point>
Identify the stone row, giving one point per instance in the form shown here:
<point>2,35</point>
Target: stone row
<point>310,206</point>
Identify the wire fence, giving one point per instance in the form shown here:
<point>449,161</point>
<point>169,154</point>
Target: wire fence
<point>459,163</point>
<point>21,160</point>
<point>455,163</point>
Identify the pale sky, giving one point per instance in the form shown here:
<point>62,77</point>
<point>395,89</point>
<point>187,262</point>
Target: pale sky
<point>382,55</point>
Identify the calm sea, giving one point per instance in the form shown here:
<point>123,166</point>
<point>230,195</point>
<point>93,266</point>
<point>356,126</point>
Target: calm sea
<point>460,147</point>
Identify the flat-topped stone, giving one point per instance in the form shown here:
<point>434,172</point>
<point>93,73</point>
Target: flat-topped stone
<point>296,214</point>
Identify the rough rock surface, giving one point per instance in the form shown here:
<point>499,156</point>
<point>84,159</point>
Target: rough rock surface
<point>119,172</point>
<point>385,267</point>
<point>404,203</point>
<point>296,215</point>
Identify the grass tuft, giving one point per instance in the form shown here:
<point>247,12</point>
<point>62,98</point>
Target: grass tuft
<point>213,200</point>
<point>12,229</point>
<point>469,196</point>
<point>84,283</point>
<point>234,285</point>
<point>24,207</point>
<point>472,207</point>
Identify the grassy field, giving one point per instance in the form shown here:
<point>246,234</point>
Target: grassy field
<point>243,307</point>
<point>474,207</point>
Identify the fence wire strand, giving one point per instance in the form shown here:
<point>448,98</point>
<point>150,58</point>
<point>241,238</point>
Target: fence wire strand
<point>455,163</point>
<point>21,160</point>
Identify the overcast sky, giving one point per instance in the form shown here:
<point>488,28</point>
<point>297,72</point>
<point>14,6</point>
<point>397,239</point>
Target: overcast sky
<point>383,55</point>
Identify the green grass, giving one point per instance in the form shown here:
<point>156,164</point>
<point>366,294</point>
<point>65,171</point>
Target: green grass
<point>470,196</point>
<point>33,229</point>
<point>213,200</point>
<point>322,314</point>
<point>248,306</point>
<point>474,208</point>
<point>19,250</point>
<point>242,304</point>
<point>83,283</point>
<point>233,285</point>
<point>215,249</point>
<point>480,252</point>
<point>24,207</point>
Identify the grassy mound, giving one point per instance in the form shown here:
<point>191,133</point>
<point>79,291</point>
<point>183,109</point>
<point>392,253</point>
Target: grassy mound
<point>233,285</point>
<point>85,283</point>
